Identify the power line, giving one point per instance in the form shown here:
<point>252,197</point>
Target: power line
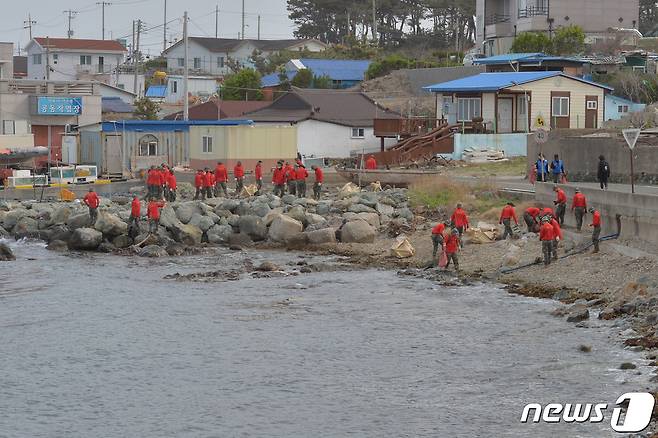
<point>103,4</point>
<point>71,16</point>
<point>28,24</point>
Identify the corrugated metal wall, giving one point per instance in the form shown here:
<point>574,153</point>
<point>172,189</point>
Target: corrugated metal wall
<point>91,151</point>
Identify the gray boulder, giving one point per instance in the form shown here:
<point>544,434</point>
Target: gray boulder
<point>25,225</point>
<point>371,218</point>
<point>361,208</point>
<point>234,220</point>
<point>86,239</point>
<point>288,199</point>
<point>153,251</point>
<point>79,221</point>
<point>60,232</point>
<point>122,241</point>
<point>106,247</point>
<point>300,201</point>
<point>260,209</point>
<point>404,213</point>
<point>313,219</point>
<point>384,209</point>
<point>239,239</point>
<point>284,229</point>
<point>219,234</point>
<point>110,225</point>
<point>168,217</point>
<point>229,204</point>
<point>3,232</point>
<point>187,234</point>
<point>323,208</point>
<point>121,200</point>
<point>60,215</point>
<point>203,222</point>
<point>6,254</point>
<point>253,226</point>
<point>298,213</point>
<point>12,217</point>
<point>358,231</point>
<point>57,246</point>
<point>175,249</point>
<point>222,213</point>
<point>269,217</point>
<point>186,210</point>
<point>325,235</point>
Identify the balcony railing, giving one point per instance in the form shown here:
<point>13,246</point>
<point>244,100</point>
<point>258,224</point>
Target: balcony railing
<point>496,18</point>
<point>533,11</point>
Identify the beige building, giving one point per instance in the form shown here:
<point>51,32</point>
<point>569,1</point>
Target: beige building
<point>522,102</point>
<point>499,21</point>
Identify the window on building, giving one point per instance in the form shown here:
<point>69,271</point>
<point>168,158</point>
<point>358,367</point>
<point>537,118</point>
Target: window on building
<point>592,104</point>
<point>358,132</point>
<point>622,109</point>
<point>468,108</point>
<point>121,86</point>
<point>560,107</point>
<point>36,59</point>
<point>85,60</point>
<point>55,58</point>
<point>174,87</point>
<point>148,146</point>
<point>181,62</point>
<point>220,62</point>
<point>206,147</point>
<point>8,127</point>
<point>197,63</point>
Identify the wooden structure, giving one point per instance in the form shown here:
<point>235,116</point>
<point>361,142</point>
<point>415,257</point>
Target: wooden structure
<point>404,128</point>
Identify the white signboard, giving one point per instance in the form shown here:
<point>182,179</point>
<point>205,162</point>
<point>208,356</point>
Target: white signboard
<point>631,136</point>
<point>541,136</point>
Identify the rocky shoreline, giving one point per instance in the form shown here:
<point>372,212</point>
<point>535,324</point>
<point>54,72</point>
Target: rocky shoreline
<point>360,226</point>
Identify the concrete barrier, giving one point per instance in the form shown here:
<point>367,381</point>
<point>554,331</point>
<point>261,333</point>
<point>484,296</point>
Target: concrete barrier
<point>639,212</point>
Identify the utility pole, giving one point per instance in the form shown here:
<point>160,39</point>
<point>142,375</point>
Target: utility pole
<point>27,24</point>
<point>349,23</point>
<point>259,28</point>
<point>47,58</point>
<point>242,33</point>
<point>71,15</point>
<point>217,21</point>
<point>374,22</point>
<point>164,27</point>
<point>103,4</point>
<point>186,74</point>
<point>136,56</point>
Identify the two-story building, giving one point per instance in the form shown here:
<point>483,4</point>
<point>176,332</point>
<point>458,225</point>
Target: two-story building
<point>74,59</point>
<point>210,56</point>
<point>499,21</point>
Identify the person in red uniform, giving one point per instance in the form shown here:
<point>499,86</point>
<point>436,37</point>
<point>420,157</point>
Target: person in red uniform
<point>371,163</point>
<point>453,242</point>
<point>437,238</point>
<point>135,212</point>
<point>596,228</point>
<point>279,179</point>
<point>199,179</point>
<point>546,236</point>
<point>319,180</point>
<point>579,207</point>
<point>221,179</point>
<point>506,217</point>
<point>92,201</point>
<point>560,204</point>
<point>153,212</point>
<point>258,175</point>
<point>172,185</point>
<point>459,219</point>
<point>530,216</point>
<point>290,178</point>
<point>238,173</point>
<point>164,176</point>
<point>208,183</point>
<point>558,236</point>
<point>153,182</point>
<point>300,177</point>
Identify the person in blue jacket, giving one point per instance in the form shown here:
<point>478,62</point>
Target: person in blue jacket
<point>557,168</point>
<point>542,168</point>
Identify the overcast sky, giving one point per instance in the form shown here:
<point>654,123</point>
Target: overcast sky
<point>52,20</point>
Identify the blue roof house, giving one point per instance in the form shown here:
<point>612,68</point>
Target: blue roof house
<point>617,107</point>
<point>344,73</point>
<point>521,102</point>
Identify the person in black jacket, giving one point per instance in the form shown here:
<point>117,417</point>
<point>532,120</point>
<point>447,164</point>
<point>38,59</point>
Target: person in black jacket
<point>603,173</point>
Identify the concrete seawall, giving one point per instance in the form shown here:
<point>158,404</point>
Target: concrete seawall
<point>639,212</point>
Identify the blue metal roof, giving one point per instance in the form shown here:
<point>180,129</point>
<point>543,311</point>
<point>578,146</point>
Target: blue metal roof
<point>622,99</point>
<point>498,81</point>
<point>166,125</point>
<point>507,58</point>
<point>271,80</point>
<point>157,91</point>
<point>338,69</point>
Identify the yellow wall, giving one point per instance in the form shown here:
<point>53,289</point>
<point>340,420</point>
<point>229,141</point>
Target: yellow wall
<point>244,142</point>
<point>541,99</point>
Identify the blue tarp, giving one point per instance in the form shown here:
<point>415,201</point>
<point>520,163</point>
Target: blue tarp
<point>343,70</point>
<point>167,125</point>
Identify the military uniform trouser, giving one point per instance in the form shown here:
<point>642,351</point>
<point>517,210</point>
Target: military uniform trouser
<point>529,221</point>
<point>556,243</point>
<point>604,183</point>
<point>200,193</point>
<point>437,240</point>
<point>508,229</point>
<point>292,187</point>
<point>153,225</point>
<point>579,212</point>
<point>172,195</point>
<point>93,214</point>
<point>152,191</point>
<point>279,190</point>
<point>547,249</point>
<point>208,192</point>
<point>259,185</point>
<point>560,210</point>
<point>596,237</point>
<point>239,184</point>
<point>301,188</point>
<point>455,260</point>
<point>221,186</point>
<point>317,190</point>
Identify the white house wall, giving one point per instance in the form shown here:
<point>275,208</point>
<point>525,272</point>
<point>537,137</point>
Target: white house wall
<point>208,59</point>
<point>67,65</point>
<point>321,139</point>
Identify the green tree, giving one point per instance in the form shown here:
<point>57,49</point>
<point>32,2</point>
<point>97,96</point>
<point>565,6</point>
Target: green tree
<point>531,42</point>
<point>243,85</point>
<point>284,81</point>
<point>146,109</point>
<point>303,78</point>
<point>568,40</point>
<point>323,82</point>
